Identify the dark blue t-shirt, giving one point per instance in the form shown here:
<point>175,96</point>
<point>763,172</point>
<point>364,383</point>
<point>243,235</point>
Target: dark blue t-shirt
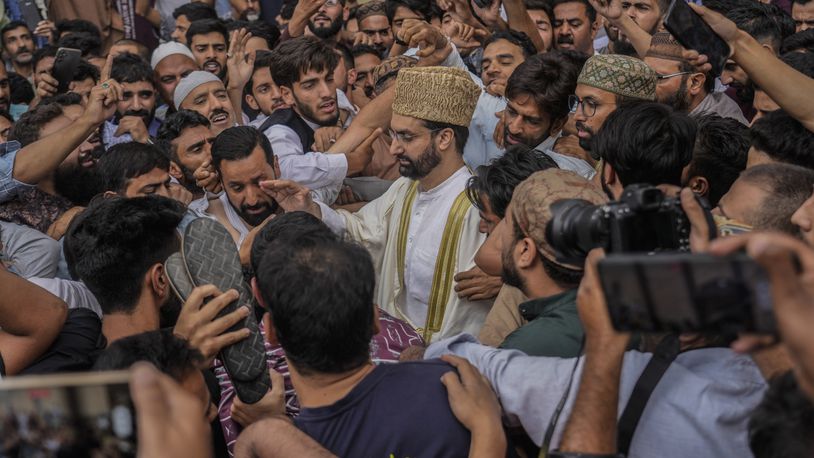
<point>398,410</point>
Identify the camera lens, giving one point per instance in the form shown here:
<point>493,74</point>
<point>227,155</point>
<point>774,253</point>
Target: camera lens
<point>575,228</point>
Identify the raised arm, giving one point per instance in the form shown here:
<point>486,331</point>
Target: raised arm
<point>612,10</point>
<point>519,19</point>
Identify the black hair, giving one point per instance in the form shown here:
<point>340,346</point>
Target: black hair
<point>346,54</point>
<point>131,68</point>
<point>125,161</point>
<point>542,5</point>
<point>65,99</point>
<point>235,24</point>
<point>803,62</point>
<point>421,7</point>
<point>265,31</point>
<point>723,6</point>
<point>207,26</point>
<point>195,11</point>
<point>783,138</point>
<point>519,39</point>
<point>323,317</point>
<point>757,22</point>
<point>361,50</point>
<point>175,124</point>
<point>5,114</point>
<point>591,12</point>
<point>787,187</point>
<point>783,19</point>
<point>646,142</point>
<point>287,10</point>
<point>781,424</point>
<point>85,70</point>
<point>237,143</point>
<point>113,243</point>
<point>262,60</point>
<point>21,90</point>
<point>77,26</point>
<point>549,79</point>
<point>169,354</point>
<point>27,129</point>
<point>720,153</point>
<point>12,26</point>
<point>90,45</point>
<point>800,41</point>
<point>143,51</point>
<point>293,58</point>
<point>291,224</point>
<point>498,179</point>
<point>461,132</point>
<point>42,53</point>
<point>351,14</point>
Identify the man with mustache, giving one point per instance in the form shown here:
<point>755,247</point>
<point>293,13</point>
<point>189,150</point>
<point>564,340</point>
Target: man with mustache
<point>135,112</point>
<point>19,48</point>
<point>170,61</point>
<point>374,27</point>
<point>647,14</point>
<point>323,18</point>
<point>575,25</point>
<point>186,136</point>
<point>205,93</point>
<point>209,41</point>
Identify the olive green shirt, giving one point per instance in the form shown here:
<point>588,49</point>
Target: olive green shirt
<point>554,328</point>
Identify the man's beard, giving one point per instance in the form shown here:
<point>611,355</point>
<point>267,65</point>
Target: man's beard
<point>26,61</point>
<point>530,142</point>
<point>745,93</point>
<point>145,115</point>
<point>680,101</point>
<point>421,167</point>
<point>169,312</point>
<point>308,113</point>
<point>221,69</point>
<point>565,39</point>
<point>508,271</point>
<point>585,143</point>
<point>326,32</point>
<point>254,219</point>
<point>77,183</point>
<point>188,179</point>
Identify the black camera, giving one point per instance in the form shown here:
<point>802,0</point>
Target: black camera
<point>643,220</point>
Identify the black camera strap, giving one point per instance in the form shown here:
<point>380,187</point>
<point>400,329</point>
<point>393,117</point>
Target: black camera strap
<point>665,354</point>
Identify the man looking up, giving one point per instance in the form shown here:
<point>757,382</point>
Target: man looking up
<point>681,87</point>
<point>209,40</point>
<point>135,112</point>
<point>423,213</point>
<point>171,61</point>
<point>205,93</point>
<point>375,27</point>
<point>186,14</point>
<point>19,47</point>
<point>575,25</point>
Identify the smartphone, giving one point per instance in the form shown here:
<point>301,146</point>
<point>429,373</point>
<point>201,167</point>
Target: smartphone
<point>693,33</point>
<point>31,14</point>
<point>683,292</point>
<point>65,63</point>
<point>86,414</point>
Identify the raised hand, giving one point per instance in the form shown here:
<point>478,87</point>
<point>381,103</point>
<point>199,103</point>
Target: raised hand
<point>239,63</point>
<point>422,35</point>
<point>133,125</point>
<point>291,196</point>
<point>207,178</point>
<point>273,403</point>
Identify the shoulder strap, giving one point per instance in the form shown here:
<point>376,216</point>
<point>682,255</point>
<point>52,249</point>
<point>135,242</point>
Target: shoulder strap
<point>291,119</point>
<point>665,354</point>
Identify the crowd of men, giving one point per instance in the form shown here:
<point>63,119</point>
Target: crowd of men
<point>383,174</point>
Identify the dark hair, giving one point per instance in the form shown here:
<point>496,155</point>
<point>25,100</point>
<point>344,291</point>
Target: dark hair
<point>9,27</point>
<point>292,224</point>
<point>27,129</point>
<point>361,50</point>
<point>5,114</point>
<point>125,161</point>
<point>787,187</point>
<point>65,99</point>
<point>723,6</point>
<point>265,31</point>
<point>262,60</point>
<point>519,39</point>
<point>757,22</point>
<point>781,424</point>
<point>541,5</point>
<point>113,243</point>
<point>143,51</point>
<point>195,11</point>
<point>287,10</point>
<point>720,152</point>
<point>207,26</point>
<point>783,138</point>
<point>346,53</point>
<point>422,8</point>
<point>549,79</point>
<point>803,62</point>
<point>131,68</point>
<point>85,70</point>
<point>461,132</point>
<point>800,41</point>
<point>237,143</point>
<point>783,19</point>
<point>77,26</point>
<point>588,8</point>
<point>351,15</point>
<point>498,179</point>
<point>646,142</point>
<point>21,89</point>
<point>169,354</point>
<point>233,25</point>
<point>293,58</point>
<point>42,53</point>
<point>90,45</point>
<point>323,317</point>
<point>175,124</point>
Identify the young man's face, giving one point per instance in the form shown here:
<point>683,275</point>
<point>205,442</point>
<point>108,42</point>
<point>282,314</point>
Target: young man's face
<point>377,29</point>
<point>156,182</point>
<point>573,28</point>
<point>209,50</point>
<point>500,59</point>
<point>43,66</point>
<point>488,218</point>
<point>402,13</point>
<point>327,21</point>
<point>19,45</point>
<point>169,71</point>
<point>314,97</point>
<point>595,106</point>
<point>544,27</point>
<point>265,95</point>
<point>193,147</point>
<point>138,99</point>
<point>211,100</point>
<point>241,181</point>
<point>364,65</point>
<point>803,16</point>
<point>524,122</point>
<point>179,34</point>
<point>256,44</point>
<point>645,13</point>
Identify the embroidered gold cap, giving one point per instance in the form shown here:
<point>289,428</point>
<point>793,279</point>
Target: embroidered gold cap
<point>437,94</point>
<point>532,200</point>
<point>622,75</point>
<point>390,68</point>
<point>664,46</point>
<point>373,8</point>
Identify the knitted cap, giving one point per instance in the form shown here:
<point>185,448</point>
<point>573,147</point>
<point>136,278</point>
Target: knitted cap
<point>168,49</point>
<point>390,67</point>
<point>664,46</point>
<point>621,75</point>
<point>437,94</point>
<point>532,200</point>
<point>189,83</point>
<point>373,8</point>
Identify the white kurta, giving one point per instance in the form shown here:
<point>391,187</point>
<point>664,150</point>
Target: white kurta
<point>376,226</point>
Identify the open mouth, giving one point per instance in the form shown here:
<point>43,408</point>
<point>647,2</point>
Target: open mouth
<point>212,67</point>
<point>327,107</point>
<point>219,118</point>
<point>512,140</point>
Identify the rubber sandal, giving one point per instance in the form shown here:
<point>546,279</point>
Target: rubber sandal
<point>180,282</point>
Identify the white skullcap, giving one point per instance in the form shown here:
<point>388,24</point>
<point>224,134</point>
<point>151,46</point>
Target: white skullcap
<point>167,49</point>
<point>189,83</point>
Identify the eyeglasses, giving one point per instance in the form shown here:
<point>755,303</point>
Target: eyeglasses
<point>407,138</point>
<point>661,77</point>
<point>588,106</point>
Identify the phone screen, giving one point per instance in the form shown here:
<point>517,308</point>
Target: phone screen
<point>693,33</point>
<point>88,414</point>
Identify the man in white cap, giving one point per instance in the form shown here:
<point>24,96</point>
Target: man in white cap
<point>171,61</point>
<point>205,93</point>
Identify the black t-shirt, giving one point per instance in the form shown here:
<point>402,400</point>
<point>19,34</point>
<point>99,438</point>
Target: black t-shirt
<point>75,349</point>
<point>398,410</point>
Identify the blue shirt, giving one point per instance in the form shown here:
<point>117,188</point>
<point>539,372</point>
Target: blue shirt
<point>9,187</point>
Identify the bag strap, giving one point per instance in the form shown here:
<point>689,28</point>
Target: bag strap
<point>665,354</point>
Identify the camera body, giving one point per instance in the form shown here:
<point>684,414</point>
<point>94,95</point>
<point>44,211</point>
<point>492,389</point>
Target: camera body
<point>643,220</point>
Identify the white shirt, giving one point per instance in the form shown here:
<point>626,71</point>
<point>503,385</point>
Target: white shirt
<point>74,293</point>
<point>565,162</point>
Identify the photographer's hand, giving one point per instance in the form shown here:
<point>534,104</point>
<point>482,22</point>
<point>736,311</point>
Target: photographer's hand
<point>700,230</point>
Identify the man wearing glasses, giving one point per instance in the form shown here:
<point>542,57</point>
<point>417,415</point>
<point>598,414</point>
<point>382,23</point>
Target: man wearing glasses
<point>681,87</point>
